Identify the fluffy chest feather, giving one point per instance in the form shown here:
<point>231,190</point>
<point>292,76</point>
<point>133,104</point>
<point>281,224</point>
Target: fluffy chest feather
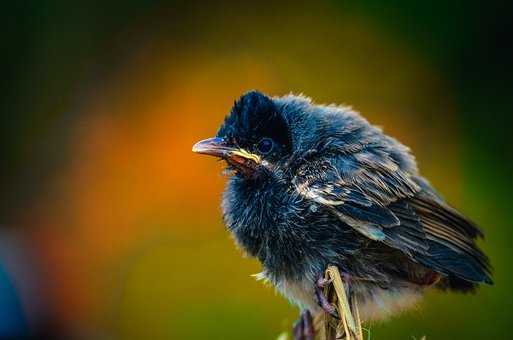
<point>375,303</point>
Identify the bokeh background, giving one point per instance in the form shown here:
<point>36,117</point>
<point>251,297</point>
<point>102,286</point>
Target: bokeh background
<point>111,227</point>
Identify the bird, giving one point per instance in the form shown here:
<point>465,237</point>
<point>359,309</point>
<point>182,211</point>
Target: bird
<point>313,185</point>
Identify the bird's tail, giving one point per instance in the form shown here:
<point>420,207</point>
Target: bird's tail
<point>456,284</point>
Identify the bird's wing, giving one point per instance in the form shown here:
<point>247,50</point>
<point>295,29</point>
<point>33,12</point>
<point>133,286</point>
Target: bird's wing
<point>384,203</point>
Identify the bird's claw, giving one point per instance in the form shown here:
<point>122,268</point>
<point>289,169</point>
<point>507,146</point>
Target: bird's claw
<point>322,282</point>
<point>304,329</point>
<point>325,304</point>
<point>322,300</point>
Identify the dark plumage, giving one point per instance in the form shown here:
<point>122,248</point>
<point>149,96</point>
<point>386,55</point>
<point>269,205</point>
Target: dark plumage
<point>315,185</point>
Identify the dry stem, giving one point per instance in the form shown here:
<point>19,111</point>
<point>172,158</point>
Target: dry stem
<point>349,326</point>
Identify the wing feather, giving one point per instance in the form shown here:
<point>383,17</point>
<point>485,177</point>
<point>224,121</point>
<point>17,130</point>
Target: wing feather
<point>389,205</point>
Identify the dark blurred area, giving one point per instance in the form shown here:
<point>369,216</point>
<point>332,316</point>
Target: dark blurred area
<point>110,226</point>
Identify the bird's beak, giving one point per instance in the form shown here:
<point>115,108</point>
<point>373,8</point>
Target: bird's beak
<point>218,147</point>
<point>212,146</point>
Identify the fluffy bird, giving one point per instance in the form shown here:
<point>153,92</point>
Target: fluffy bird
<point>313,185</point>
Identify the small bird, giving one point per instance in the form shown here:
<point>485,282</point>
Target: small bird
<point>313,185</point>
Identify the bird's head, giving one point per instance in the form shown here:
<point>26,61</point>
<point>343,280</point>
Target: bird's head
<point>265,135</point>
<point>254,139</point>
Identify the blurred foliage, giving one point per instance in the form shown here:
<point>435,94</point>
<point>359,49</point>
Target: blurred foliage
<point>103,102</point>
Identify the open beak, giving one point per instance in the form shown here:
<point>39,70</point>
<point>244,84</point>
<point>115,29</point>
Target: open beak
<point>218,147</point>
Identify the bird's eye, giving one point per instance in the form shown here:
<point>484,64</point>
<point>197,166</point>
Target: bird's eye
<point>265,145</point>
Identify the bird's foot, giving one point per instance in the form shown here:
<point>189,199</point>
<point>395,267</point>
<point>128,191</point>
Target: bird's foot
<point>341,292</point>
<point>304,329</point>
<point>322,300</point>
<point>322,282</point>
